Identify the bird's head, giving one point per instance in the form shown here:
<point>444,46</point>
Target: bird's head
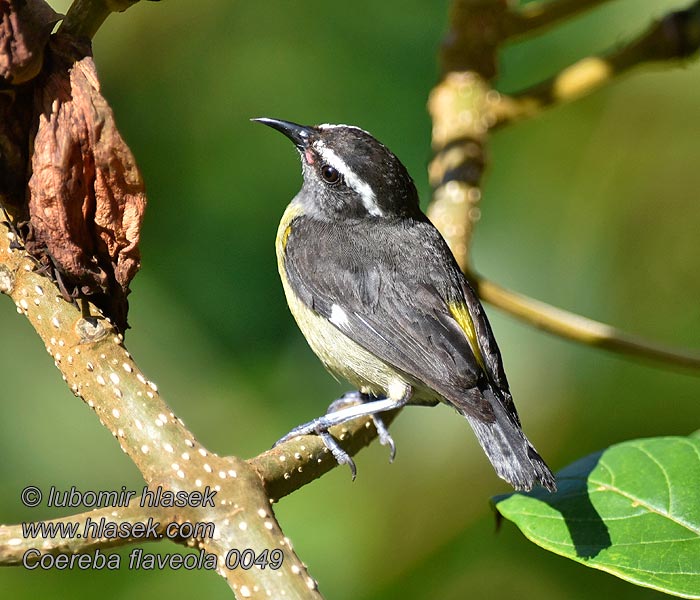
<point>348,173</point>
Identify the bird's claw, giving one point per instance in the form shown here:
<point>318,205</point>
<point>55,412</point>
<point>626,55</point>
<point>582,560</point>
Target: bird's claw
<point>341,457</point>
<point>385,438</point>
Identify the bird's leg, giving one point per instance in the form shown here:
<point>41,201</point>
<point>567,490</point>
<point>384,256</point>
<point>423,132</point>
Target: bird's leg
<point>354,398</point>
<point>338,416</point>
<point>347,399</point>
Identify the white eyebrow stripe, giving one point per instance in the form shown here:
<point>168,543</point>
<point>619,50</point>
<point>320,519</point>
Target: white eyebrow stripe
<point>369,200</point>
<point>341,125</point>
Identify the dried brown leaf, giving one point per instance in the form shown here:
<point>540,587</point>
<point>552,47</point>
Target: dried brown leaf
<point>87,196</point>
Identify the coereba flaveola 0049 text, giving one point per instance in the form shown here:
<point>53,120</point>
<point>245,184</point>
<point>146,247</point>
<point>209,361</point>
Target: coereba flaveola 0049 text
<point>380,299</point>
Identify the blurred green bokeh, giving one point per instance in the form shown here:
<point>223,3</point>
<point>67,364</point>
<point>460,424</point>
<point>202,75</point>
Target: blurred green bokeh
<point>592,207</point>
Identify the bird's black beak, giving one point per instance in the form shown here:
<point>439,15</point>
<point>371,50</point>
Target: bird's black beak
<point>301,135</point>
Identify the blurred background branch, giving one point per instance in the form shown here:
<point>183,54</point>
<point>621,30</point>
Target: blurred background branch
<point>580,329</point>
<point>672,39</point>
<point>465,107</point>
<point>536,17</point>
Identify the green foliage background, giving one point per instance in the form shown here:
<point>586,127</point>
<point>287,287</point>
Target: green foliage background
<point>592,207</point>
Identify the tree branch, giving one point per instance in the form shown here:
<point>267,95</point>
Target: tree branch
<point>675,37</point>
<point>460,107</point>
<point>85,17</point>
<point>13,544</point>
<point>97,367</point>
<point>289,466</point>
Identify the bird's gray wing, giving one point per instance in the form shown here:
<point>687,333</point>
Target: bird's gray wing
<point>395,285</point>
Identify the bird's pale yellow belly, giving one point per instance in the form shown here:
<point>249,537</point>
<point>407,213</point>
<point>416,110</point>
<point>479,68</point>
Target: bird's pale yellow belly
<point>343,357</point>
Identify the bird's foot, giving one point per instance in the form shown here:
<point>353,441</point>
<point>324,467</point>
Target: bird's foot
<point>346,408</point>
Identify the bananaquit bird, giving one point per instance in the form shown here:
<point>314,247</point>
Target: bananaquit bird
<point>380,299</point>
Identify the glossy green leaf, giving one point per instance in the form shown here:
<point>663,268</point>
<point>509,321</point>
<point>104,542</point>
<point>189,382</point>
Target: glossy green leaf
<point>632,510</point>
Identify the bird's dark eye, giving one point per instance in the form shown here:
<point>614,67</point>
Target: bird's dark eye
<point>330,174</point>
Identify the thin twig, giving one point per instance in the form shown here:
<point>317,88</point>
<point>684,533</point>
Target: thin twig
<point>581,329</point>
<point>675,37</point>
<point>535,17</point>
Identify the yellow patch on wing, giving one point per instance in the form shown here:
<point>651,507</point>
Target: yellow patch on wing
<point>285,229</point>
<point>460,313</point>
<point>285,236</point>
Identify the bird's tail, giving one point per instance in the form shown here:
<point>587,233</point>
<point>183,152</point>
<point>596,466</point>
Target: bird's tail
<point>510,452</point>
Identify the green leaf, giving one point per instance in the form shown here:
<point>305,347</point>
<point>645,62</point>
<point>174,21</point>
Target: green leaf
<point>632,510</point>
